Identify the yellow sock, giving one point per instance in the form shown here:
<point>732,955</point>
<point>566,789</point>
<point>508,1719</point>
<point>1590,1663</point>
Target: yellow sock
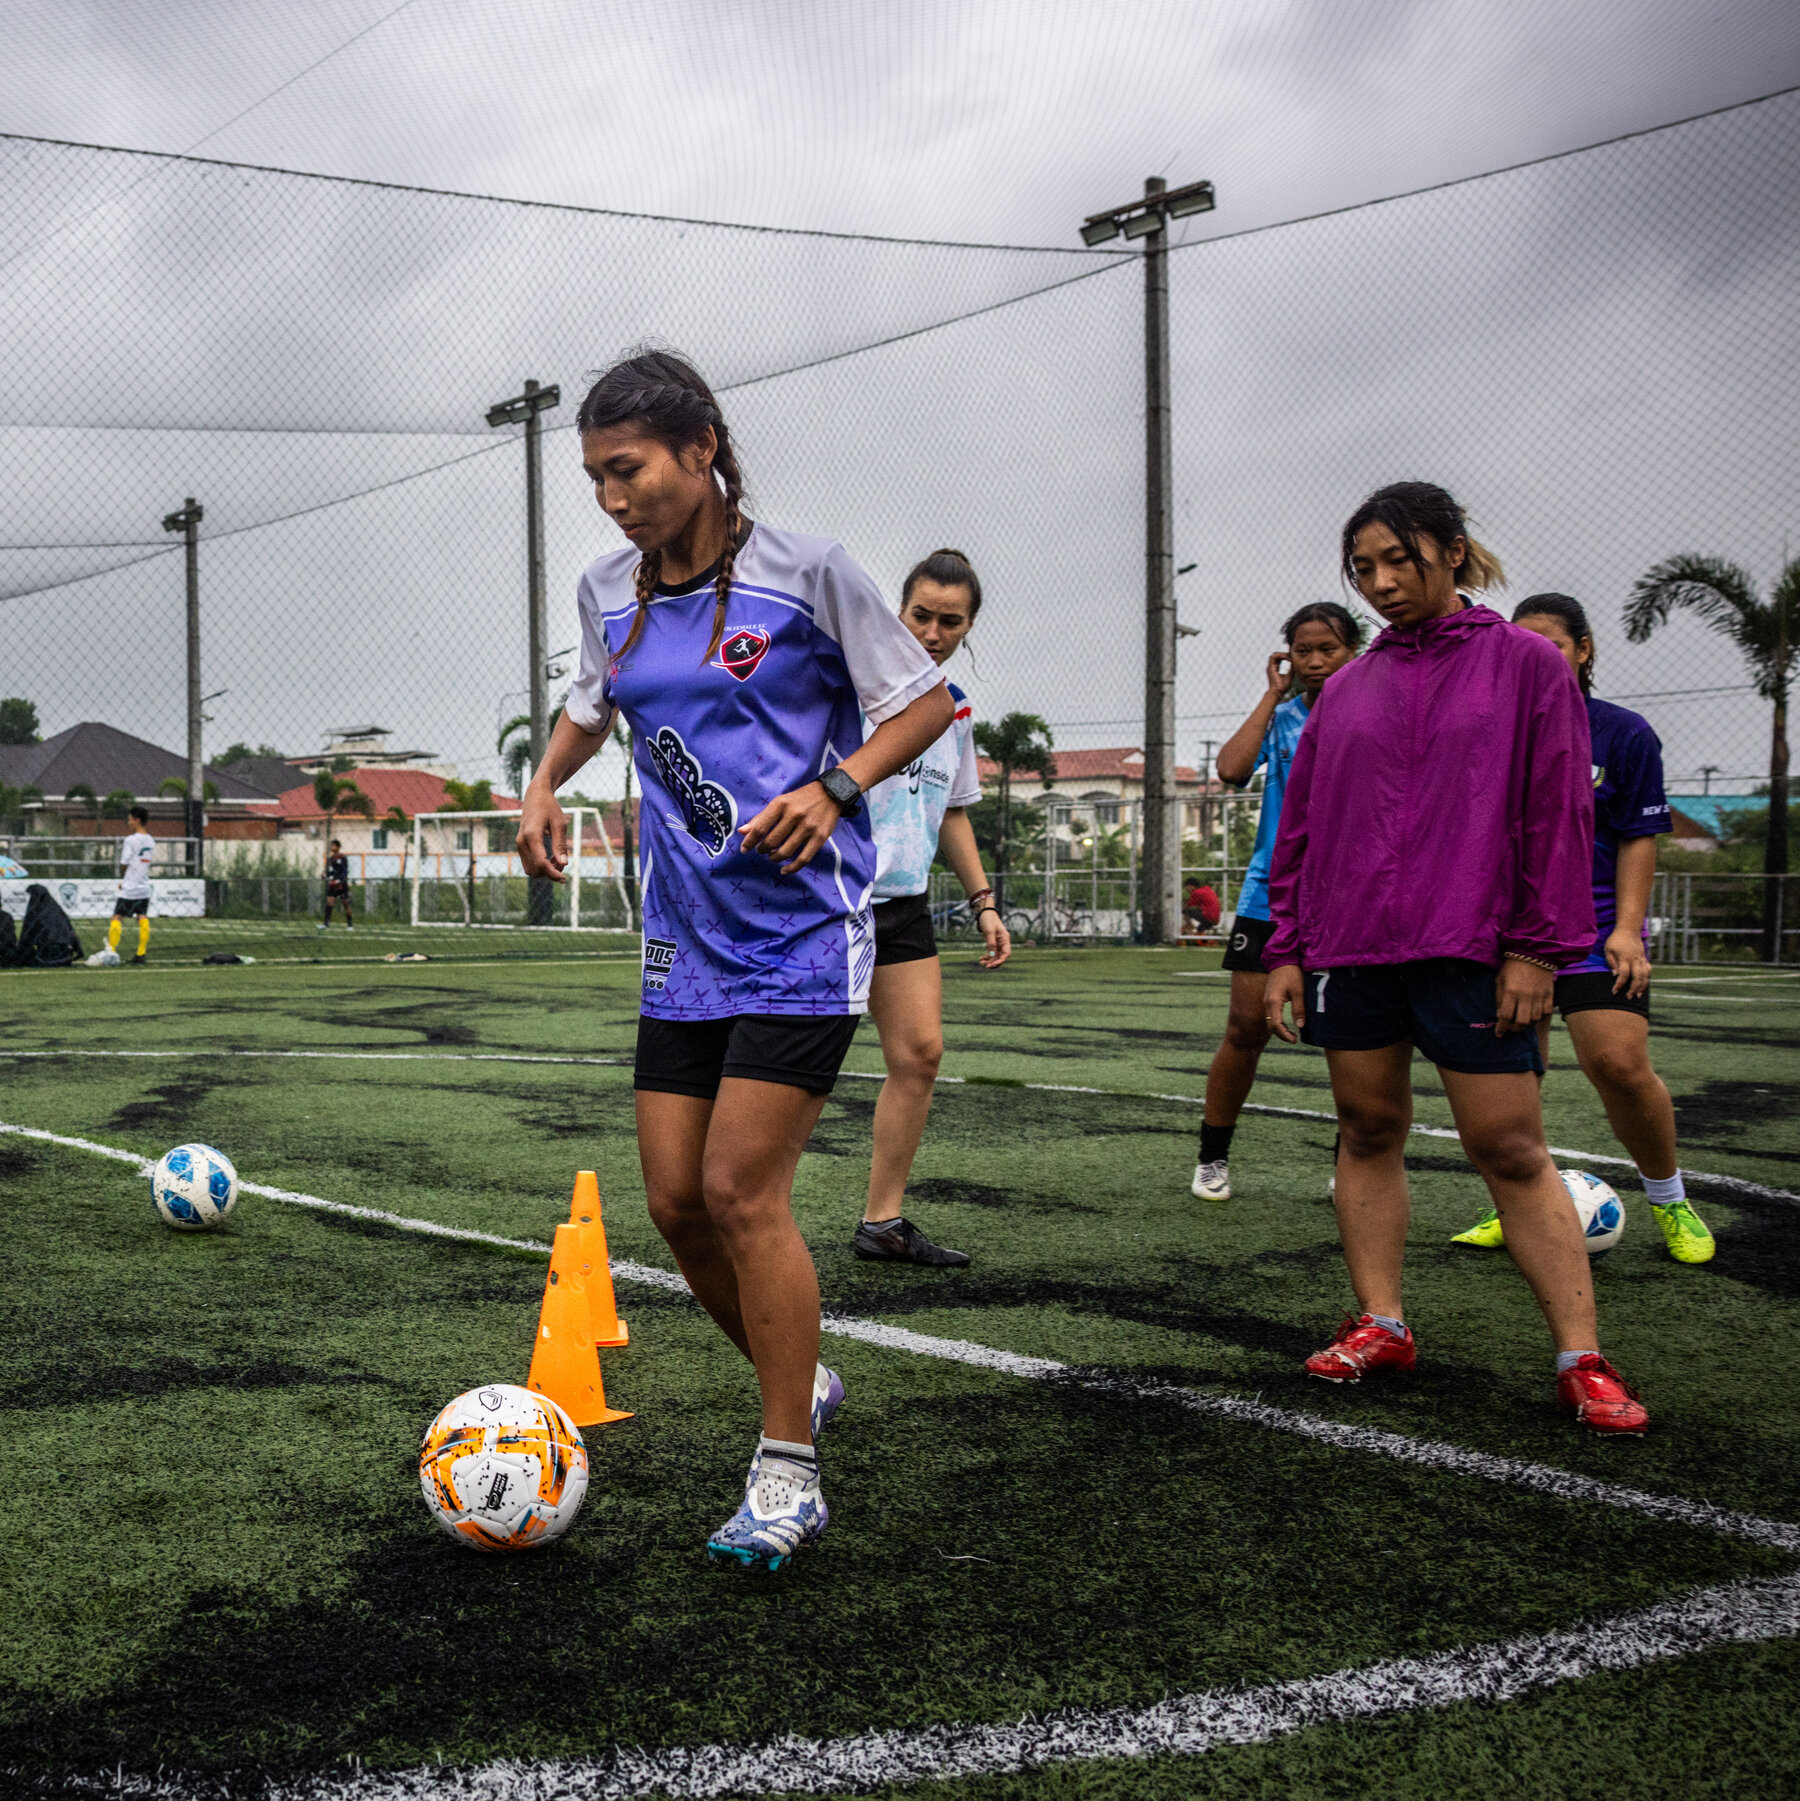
<point>112,933</point>
<point>143,933</point>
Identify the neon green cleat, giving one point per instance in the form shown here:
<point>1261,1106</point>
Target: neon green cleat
<point>1485,1233</point>
<point>1685,1233</point>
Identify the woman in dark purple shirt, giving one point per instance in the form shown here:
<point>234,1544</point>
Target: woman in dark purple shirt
<point>1605,998</point>
<point>1430,879</point>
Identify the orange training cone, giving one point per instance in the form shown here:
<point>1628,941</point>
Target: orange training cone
<point>564,1363</point>
<point>596,1267</point>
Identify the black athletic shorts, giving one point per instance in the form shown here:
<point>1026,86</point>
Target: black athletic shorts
<point>903,931</point>
<point>692,1056</point>
<point>1592,992</point>
<point>337,890</point>
<point>132,909</point>
<point>1245,947</point>
<point>1445,1005</point>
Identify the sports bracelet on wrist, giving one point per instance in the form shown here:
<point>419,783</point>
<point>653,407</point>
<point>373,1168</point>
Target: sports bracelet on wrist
<point>980,894</point>
<point>1535,962</point>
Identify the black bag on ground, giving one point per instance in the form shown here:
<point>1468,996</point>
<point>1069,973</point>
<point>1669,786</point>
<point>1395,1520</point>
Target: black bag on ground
<point>9,940</point>
<point>46,940</point>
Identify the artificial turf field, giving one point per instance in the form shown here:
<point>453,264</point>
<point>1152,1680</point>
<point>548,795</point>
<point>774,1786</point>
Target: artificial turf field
<point>218,1577</point>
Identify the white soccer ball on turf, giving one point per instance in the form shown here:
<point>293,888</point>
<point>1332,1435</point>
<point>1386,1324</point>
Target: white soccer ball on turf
<point>194,1187</point>
<point>503,1469</point>
<point>1598,1207</point>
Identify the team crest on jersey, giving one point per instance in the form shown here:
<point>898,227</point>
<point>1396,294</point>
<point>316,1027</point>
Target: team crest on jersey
<point>707,810</point>
<point>742,650</point>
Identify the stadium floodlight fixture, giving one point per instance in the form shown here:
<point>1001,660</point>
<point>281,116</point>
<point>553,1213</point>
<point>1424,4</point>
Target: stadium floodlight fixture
<point>525,406</point>
<point>1098,231</point>
<point>1185,202</point>
<point>1141,225</point>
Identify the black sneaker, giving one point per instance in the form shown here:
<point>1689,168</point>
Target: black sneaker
<point>900,1241</point>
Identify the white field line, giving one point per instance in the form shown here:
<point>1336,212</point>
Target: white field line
<point>1738,1183</point>
<point>1738,1613</point>
<point>1452,1459</point>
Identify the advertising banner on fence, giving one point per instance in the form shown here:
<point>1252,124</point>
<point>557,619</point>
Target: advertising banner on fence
<point>175,897</point>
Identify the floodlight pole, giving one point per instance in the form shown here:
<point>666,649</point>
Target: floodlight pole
<point>187,522</point>
<point>1159,883</point>
<point>1162,829</point>
<point>525,409</point>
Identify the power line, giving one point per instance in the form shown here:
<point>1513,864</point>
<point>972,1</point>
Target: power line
<point>100,205</point>
<point>1463,181</point>
<point>549,206</point>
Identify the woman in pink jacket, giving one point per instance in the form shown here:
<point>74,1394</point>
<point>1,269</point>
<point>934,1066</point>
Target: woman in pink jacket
<point>1429,880</point>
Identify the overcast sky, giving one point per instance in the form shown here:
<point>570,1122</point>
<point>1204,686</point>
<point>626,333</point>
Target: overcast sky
<point>1591,353</point>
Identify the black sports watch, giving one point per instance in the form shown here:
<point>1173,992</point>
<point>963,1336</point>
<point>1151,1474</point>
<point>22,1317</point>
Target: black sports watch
<point>842,788</point>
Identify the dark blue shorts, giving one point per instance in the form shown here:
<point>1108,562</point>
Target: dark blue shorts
<point>1444,1005</point>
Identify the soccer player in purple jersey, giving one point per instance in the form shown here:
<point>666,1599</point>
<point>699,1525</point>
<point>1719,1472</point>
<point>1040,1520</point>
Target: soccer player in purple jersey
<point>744,659</point>
<point>1430,880</point>
<point>1605,998</point>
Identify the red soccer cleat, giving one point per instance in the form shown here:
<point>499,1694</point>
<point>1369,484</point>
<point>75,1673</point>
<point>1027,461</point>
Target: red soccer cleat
<point>1602,1399</point>
<point>1361,1346</point>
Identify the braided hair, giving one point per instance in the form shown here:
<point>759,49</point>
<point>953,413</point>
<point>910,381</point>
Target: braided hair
<point>670,398</point>
<point>1411,510</point>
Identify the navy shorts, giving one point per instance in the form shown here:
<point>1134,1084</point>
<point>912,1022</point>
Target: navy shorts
<point>692,1056</point>
<point>136,908</point>
<point>1244,949</point>
<point>1591,991</point>
<point>903,931</point>
<point>1444,1005</point>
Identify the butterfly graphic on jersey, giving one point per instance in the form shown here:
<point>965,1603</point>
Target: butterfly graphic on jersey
<point>707,809</point>
<point>740,653</point>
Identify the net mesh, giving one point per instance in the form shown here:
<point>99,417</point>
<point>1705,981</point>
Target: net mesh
<point>1593,352</point>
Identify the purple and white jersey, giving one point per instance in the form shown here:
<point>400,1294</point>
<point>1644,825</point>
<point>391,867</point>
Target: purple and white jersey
<point>809,648</point>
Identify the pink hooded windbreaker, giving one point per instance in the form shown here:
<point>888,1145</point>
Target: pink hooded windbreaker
<point>1440,804</point>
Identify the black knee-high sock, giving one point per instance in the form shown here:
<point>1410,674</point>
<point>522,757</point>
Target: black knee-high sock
<point>1215,1142</point>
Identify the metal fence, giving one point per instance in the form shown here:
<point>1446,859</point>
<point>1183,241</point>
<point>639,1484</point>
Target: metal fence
<point>1605,376</point>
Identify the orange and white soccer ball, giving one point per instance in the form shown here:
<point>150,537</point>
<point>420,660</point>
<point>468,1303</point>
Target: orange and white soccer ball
<point>503,1469</point>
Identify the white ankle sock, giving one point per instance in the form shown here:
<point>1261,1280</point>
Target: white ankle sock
<point>1567,1360</point>
<point>785,1447</point>
<point>1663,1191</point>
<point>1389,1324</point>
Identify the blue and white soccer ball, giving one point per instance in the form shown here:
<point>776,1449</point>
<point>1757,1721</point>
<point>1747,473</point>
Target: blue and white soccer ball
<point>194,1187</point>
<point>1601,1212</point>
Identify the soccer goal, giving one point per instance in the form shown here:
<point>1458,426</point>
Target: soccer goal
<point>466,872</point>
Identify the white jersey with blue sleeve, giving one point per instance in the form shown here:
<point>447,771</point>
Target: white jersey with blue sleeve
<point>136,855</point>
<point>908,809</point>
<point>809,650</point>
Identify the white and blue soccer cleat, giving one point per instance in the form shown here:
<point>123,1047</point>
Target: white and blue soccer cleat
<point>783,1509</point>
<point>828,1397</point>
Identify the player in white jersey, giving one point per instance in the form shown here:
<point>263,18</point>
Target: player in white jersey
<point>135,857</point>
<point>917,812</point>
<point>745,660</point>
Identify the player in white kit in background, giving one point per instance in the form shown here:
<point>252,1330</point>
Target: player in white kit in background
<point>918,812</point>
<point>135,857</point>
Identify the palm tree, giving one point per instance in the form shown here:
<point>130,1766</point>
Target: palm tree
<point>1016,741</point>
<point>471,797</point>
<point>337,794</point>
<point>395,820</point>
<point>84,791</point>
<point>117,805</point>
<point>514,746</point>
<point>1724,596</point>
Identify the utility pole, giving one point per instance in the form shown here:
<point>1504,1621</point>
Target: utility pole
<point>187,522</point>
<point>1160,880</point>
<point>525,409</point>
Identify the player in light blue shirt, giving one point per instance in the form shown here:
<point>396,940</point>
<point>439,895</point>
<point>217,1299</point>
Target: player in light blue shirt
<point>918,812</point>
<point>745,660</point>
<point>1321,639</point>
